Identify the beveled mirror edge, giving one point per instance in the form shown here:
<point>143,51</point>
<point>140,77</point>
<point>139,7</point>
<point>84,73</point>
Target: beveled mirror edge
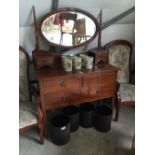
<point>70,9</point>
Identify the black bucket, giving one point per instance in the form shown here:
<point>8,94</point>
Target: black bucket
<point>73,113</point>
<point>103,117</point>
<point>60,129</point>
<point>86,115</point>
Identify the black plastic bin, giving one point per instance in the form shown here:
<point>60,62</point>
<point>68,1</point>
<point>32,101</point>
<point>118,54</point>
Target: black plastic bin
<point>60,129</point>
<point>102,118</point>
<point>73,113</point>
<point>86,115</point>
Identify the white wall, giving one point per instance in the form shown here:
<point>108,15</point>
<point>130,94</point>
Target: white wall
<point>25,10</point>
<point>27,39</point>
<point>110,8</point>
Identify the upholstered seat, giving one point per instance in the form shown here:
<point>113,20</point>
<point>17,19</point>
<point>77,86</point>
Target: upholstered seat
<point>29,113</point>
<point>120,56</point>
<point>127,92</point>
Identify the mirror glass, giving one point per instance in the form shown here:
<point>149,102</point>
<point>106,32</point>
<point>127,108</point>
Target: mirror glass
<point>69,27</point>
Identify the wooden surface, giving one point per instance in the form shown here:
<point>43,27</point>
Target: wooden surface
<point>59,88</point>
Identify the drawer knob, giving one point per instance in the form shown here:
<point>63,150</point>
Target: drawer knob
<point>62,83</point>
<point>98,91</point>
<point>97,79</point>
<point>65,98</point>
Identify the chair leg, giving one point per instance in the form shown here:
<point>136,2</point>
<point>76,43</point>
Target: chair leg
<point>41,130</point>
<point>41,137</point>
<point>117,110</point>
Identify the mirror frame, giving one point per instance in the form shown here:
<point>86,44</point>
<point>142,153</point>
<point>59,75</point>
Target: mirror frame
<point>59,10</point>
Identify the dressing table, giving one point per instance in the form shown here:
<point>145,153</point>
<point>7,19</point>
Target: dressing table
<point>59,88</point>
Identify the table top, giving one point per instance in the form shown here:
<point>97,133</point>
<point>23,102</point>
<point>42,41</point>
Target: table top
<point>48,73</point>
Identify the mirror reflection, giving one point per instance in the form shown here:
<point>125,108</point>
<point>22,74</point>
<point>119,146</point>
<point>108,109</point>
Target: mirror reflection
<point>68,28</point>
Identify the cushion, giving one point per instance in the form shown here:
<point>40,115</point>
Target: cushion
<point>27,114</point>
<point>23,78</point>
<point>119,56</point>
<point>127,92</point>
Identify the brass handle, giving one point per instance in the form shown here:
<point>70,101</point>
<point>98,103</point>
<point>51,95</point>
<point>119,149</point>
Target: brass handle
<point>62,83</point>
<point>82,81</point>
<point>97,79</point>
<point>98,91</point>
<point>64,98</point>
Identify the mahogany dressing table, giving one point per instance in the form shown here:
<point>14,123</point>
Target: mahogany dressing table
<point>59,88</point>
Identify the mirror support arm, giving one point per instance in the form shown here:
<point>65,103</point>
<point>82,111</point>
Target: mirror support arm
<point>55,4</point>
<point>99,35</point>
<point>36,31</point>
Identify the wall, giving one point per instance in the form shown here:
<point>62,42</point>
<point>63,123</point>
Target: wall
<point>110,8</point>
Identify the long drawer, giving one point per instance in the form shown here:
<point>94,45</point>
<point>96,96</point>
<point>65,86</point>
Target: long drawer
<point>105,91</point>
<point>61,98</point>
<point>57,97</point>
<point>62,84</point>
<point>99,79</point>
<point>69,97</point>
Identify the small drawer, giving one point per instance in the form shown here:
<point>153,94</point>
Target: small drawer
<point>57,98</point>
<point>99,79</point>
<point>105,91</point>
<point>62,84</point>
<point>45,60</point>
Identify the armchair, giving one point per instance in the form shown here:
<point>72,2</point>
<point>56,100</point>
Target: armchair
<point>120,56</point>
<point>30,115</point>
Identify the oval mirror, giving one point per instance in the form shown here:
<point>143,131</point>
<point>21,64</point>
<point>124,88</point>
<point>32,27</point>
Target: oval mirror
<point>69,27</point>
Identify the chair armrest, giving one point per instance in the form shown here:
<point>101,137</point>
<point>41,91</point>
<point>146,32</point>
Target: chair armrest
<point>39,113</point>
<point>118,98</point>
<point>132,76</point>
<point>33,89</point>
<point>35,92</point>
<point>34,81</point>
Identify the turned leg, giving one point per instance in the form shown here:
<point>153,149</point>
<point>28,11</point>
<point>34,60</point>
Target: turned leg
<point>117,102</point>
<point>45,132</point>
<point>44,124</point>
<point>41,133</point>
<point>40,123</point>
<point>117,107</point>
